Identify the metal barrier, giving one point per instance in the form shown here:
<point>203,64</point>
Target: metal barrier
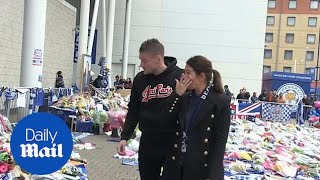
<point>13,109</point>
<point>306,112</point>
<point>266,110</point>
<point>101,92</point>
<point>271,111</point>
<point>244,110</point>
<point>242,101</point>
<point>17,108</point>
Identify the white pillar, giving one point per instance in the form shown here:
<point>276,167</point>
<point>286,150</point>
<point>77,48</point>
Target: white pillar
<point>83,39</point>
<point>93,26</point>
<point>126,40</point>
<point>104,29</point>
<point>111,13</point>
<point>34,29</point>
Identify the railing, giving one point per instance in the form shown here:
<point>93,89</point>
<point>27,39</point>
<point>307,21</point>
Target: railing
<point>269,111</point>
<point>16,108</point>
<point>282,112</point>
<point>16,103</point>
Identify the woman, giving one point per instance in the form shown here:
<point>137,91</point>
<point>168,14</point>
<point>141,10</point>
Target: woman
<point>254,98</point>
<point>59,80</point>
<point>205,121</point>
<point>271,97</point>
<point>281,99</point>
<point>128,84</point>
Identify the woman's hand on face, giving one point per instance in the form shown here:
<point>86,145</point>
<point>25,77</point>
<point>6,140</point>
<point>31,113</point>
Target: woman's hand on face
<point>183,84</point>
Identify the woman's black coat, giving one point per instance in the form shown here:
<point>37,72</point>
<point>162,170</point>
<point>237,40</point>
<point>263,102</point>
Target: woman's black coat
<point>206,140</point>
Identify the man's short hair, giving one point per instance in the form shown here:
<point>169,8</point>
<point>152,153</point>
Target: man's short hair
<point>152,46</point>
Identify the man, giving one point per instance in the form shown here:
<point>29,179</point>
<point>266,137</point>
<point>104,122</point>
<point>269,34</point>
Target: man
<point>117,84</point>
<point>306,101</point>
<point>59,80</point>
<point>254,98</point>
<point>263,96</point>
<point>246,94</point>
<point>227,91</point>
<point>306,107</point>
<point>241,96</point>
<point>312,99</point>
<point>98,82</point>
<point>152,95</point>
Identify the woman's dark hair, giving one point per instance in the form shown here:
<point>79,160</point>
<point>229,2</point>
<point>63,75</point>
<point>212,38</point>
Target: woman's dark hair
<point>201,64</point>
<point>59,73</point>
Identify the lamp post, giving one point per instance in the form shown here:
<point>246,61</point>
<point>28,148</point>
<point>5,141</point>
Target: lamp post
<point>305,60</point>
<point>317,68</point>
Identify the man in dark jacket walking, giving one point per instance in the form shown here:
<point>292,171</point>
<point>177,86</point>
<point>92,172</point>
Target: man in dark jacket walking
<point>150,105</point>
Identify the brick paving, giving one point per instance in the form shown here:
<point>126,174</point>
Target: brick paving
<point>102,165</point>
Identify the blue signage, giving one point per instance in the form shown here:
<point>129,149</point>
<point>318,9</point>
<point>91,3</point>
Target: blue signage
<point>76,47</point>
<point>286,82</point>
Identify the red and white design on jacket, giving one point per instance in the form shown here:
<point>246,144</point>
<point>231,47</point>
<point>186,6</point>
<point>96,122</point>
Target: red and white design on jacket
<point>157,92</point>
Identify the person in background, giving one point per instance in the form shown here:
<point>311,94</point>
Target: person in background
<point>306,101</point>
<point>312,99</point>
<point>233,99</point>
<point>275,94</point>
<point>281,99</point>
<point>254,98</point>
<point>270,97</point>
<point>122,81</point>
<point>306,106</point>
<point>98,82</point>
<point>246,93</point>
<point>128,84</point>
<point>117,84</point>
<point>59,80</point>
<point>227,91</point>
<point>241,96</point>
<point>263,96</point>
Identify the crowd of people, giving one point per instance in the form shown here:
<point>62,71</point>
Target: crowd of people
<point>121,83</point>
<point>271,96</point>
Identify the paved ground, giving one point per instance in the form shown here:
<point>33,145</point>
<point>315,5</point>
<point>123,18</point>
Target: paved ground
<point>102,165</point>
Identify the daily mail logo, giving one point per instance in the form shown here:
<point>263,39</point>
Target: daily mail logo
<point>32,150</point>
<point>41,143</point>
